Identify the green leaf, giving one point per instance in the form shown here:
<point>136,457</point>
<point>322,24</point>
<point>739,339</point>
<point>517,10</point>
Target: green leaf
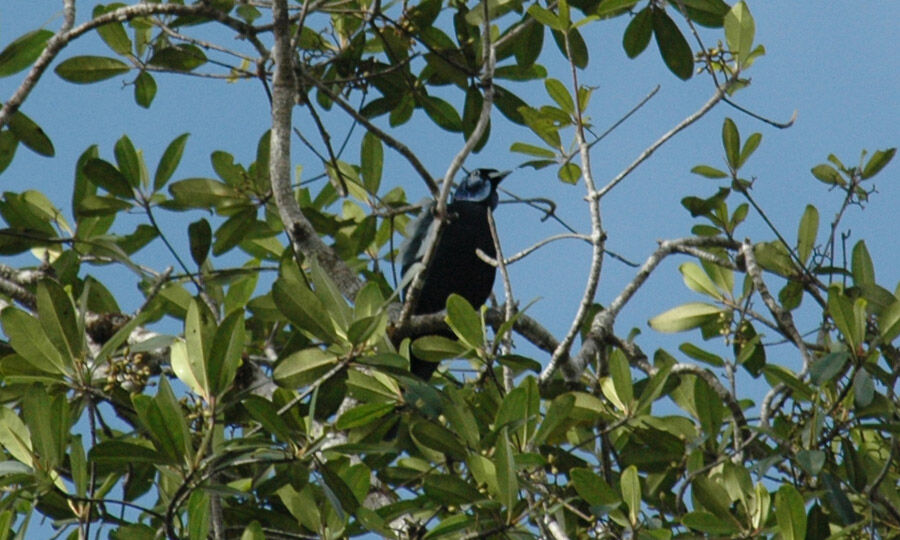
<point>363,415</point>
<point>877,162</point>
<point>708,523</point>
<point>437,348</point>
<point>827,174</point>
<point>673,47</point>
<point>198,508</point>
<point>731,140</point>
<point>303,367</point>
<point>89,69</point>
<point>790,513</point>
<point>507,480</point>
<point>439,439</point>
<point>593,489</point>
<point>889,322</point>
<point>510,105</point>
<point>863,389</point>
<point>837,500</point>
<point>371,161</point>
<point>448,489</point>
<point>637,34</point>
<point>849,319</point>
<point>164,420</point>
<point>709,172</point>
<point>113,33</point>
<point>8,145</point>
<point>104,174</point>
<point>128,161</point>
<point>30,134</point>
<point>184,57</point>
<point>620,373</point>
<point>14,436</point>
<point>57,315</point>
<point>698,281</point>
<point>558,92</point>
<point>169,161</point>
<point>204,193</point>
<point>577,49</point>
<point>532,150</point>
<point>545,17</point>
<point>739,31</point>
<point>685,317</point>
<point>825,368</point>
<point>569,173</point>
<point>701,355</point>
<point>47,418</point>
<point>861,265</point>
<point>123,453</point>
<point>200,238</point>
<point>608,8</point>
<point>806,234</point>
<point>630,486</point>
<point>27,337</point>
<point>442,113</point>
<point>144,89</point>
<point>225,353</point>
<point>465,321</point>
<point>749,147</point>
<point>22,52</point>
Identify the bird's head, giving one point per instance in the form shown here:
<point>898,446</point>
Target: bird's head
<point>480,186</point>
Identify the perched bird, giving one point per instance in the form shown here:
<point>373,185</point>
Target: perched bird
<point>455,267</point>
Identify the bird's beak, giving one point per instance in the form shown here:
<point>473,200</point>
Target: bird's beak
<point>497,176</point>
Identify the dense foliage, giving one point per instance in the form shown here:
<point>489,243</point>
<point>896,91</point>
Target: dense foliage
<point>284,409</point>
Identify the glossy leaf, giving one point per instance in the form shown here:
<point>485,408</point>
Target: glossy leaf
<point>30,134</point>
<point>672,45</point>
<point>684,317</point>
<point>371,161</point>
<point>877,162</point>
<point>8,145</point>
<point>464,321</point>
<point>28,338</point>
<point>709,172</point>
<point>631,493</point>
<point>128,161</point>
<point>113,33</point>
<point>740,31</point>
<point>14,436</point>
<point>442,113</point>
<point>184,57</point>
<point>698,281</point>
<point>558,92</point>
<point>89,69</point>
<point>446,489</point>
<point>144,89</point>
<point>22,52</point>
<point>861,265</point>
<point>507,480</point>
<point>226,352</point>
<point>806,234</point>
<point>638,32</point>
<point>200,238</point>
<point>104,174</point>
<point>303,367</point>
<point>790,513</point>
<point>828,175</point>
<point>594,489</point>
<point>731,140</point>
<point>169,161</point>
<point>57,315</point>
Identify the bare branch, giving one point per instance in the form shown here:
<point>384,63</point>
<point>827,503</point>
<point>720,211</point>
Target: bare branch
<point>716,98</point>
<point>601,327</point>
<point>598,236</point>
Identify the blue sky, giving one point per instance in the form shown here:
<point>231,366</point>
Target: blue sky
<point>834,63</point>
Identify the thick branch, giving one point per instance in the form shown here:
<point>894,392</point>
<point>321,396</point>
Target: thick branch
<point>304,238</point>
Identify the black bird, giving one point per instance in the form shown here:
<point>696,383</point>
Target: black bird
<point>455,267</point>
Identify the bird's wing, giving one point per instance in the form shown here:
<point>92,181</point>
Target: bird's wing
<point>419,234</point>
